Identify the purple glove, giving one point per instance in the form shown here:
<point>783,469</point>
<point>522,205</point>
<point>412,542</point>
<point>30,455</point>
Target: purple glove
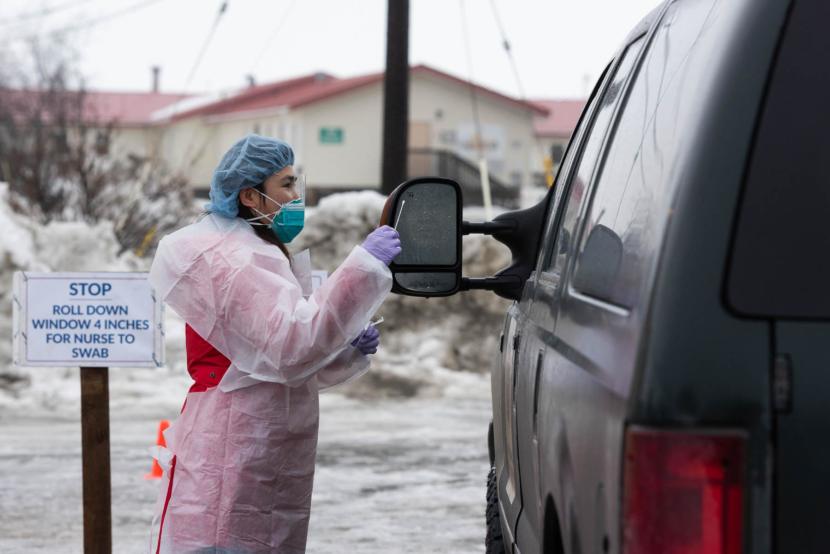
<point>368,341</point>
<point>383,243</point>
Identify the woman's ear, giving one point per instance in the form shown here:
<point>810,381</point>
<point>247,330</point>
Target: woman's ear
<point>249,198</point>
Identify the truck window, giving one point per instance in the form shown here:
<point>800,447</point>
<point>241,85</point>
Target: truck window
<point>780,265</point>
<point>581,177</point>
<point>631,203</point>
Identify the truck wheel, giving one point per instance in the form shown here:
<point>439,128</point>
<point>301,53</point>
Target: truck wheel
<point>493,542</point>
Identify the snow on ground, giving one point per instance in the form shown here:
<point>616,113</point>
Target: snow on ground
<point>392,476</point>
<point>402,458</point>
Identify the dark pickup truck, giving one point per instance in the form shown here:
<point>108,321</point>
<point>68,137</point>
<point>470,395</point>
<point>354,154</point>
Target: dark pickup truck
<point>663,384</point>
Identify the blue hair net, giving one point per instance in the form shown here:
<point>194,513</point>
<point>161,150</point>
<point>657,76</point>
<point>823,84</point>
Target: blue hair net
<point>247,164</point>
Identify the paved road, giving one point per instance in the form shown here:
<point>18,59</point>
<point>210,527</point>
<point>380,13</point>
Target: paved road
<point>393,476</point>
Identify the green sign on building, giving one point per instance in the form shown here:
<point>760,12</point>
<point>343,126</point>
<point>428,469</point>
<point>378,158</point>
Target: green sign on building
<point>331,135</point>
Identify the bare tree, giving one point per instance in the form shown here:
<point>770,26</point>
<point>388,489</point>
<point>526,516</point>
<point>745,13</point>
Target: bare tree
<point>41,128</point>
<point>55,154</point>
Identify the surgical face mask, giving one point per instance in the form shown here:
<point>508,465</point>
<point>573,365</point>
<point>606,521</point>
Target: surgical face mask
<point>287,222</point>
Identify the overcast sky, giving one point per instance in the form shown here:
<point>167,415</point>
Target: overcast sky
<point>559,46</point>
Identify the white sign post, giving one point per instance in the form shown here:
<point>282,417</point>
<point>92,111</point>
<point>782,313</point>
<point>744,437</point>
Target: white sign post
<point>91,320</point>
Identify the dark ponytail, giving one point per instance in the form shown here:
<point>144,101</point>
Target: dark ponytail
<point>262,231</point>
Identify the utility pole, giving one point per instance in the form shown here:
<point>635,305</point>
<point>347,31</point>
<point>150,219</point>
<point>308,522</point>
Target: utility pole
<point>395,96</point>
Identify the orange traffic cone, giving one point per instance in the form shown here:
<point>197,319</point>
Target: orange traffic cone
<point>155,471</point>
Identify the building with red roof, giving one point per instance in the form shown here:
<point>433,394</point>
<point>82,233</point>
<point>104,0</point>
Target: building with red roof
<point>554,129</point>
<point>128,109</point>
<point>334,125</point>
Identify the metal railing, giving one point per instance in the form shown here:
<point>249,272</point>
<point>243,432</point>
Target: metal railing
<point>443,163</point>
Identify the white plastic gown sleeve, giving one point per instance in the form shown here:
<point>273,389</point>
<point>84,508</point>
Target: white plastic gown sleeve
<point>347,366</point>
<point>238,292</point>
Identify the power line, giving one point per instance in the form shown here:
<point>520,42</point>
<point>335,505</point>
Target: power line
<point>104,18</point>
<point>506,45</point>
<point>42,12</point>
<point>473,96</point>
<point>484,172</point>
<point>272,36</point>
<point>222,9</point>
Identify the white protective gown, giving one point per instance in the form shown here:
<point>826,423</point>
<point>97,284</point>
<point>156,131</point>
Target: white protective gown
<point>242,454</point>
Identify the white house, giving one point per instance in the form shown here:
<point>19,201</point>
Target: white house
<point>335,127</point>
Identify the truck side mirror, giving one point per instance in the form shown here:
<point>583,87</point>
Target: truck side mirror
<point>427,214</point>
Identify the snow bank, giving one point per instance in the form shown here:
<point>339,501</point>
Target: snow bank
<point>435,347</point>
<point>68,246</point>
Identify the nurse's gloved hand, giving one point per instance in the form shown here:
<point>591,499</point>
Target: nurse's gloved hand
<point>368,341</point>
<point>384,243</point>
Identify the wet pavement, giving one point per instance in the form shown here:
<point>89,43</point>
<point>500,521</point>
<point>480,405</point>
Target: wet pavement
<point>392,476</point>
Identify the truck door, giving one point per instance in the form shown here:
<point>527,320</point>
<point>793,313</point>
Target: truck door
<point>504,415</point>
<point>538,393</point>
<point>780,272</point>
<point>802,452</point>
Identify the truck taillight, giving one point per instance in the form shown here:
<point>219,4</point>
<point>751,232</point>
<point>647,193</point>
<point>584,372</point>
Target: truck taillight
<point>683,492</point>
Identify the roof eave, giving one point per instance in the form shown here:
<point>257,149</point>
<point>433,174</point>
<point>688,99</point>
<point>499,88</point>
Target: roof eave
<point>540,110</point>
<point>248,114</point>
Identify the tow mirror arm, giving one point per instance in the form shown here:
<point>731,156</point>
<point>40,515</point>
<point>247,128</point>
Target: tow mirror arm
<point>501,282</point>
<point>521,232</point>
<point>487,228</point>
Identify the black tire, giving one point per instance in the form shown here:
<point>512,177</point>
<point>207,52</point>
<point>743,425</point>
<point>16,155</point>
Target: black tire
<point>493,542</point>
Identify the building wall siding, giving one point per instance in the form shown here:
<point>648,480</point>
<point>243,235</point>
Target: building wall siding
<point>440,111</point>
<point>356,161</point>
<point>507,130</point>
